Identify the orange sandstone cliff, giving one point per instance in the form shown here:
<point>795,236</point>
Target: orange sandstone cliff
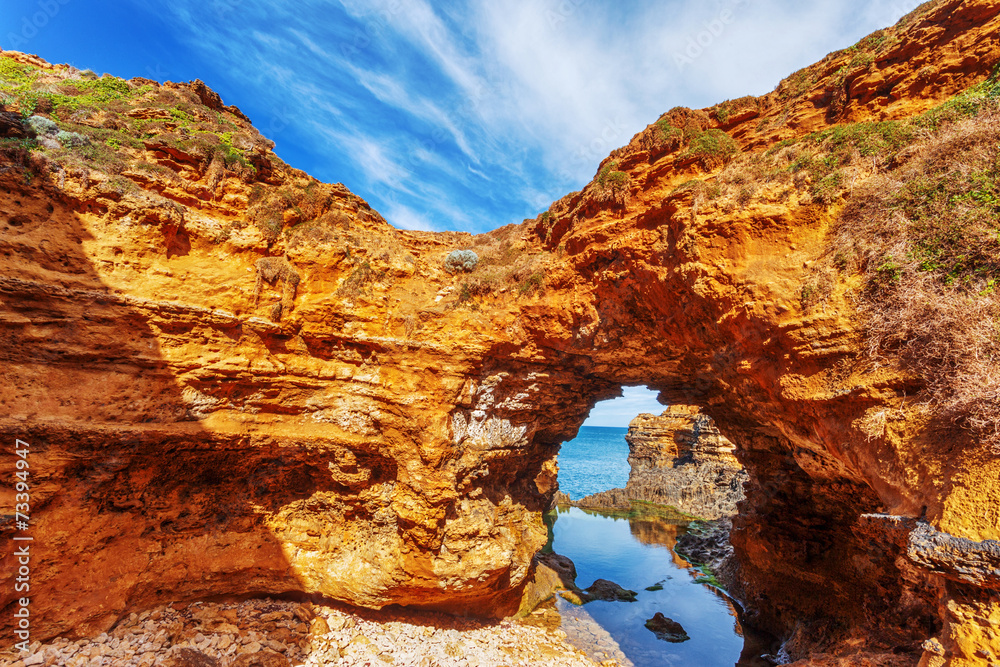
<point>237,380</point>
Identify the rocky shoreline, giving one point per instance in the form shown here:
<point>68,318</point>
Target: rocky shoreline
<point>279,633</point>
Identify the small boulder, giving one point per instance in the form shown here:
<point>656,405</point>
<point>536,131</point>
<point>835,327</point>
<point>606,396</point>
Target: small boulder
<point>265,658</point>
<point>667,629</point>
<point>602,589</point>
<point>187,657</point>
<point>318,627</point>
<point>552,573</point>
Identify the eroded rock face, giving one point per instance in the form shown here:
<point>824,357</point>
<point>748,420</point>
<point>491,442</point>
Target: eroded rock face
<point>386,432</point>
<point>680,433</point>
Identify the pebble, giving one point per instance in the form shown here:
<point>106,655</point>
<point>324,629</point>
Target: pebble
<point>290,634</point>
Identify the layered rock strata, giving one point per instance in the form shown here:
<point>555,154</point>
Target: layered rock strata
<point>678,458</point>
<point>234,378</point>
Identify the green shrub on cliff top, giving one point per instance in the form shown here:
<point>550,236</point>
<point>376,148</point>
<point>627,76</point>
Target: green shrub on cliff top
<point>712,147</point>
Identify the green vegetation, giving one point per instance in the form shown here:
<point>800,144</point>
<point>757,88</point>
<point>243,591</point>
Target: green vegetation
<point>921,224</point>
<point>820,162</point>
<point>89,114</point>
<point>868,139</point>
<point>613,184</point>
<point>533,283</point>
<point>797,84</point>
<point>668,132</point>
<point>231,155</point>
<point>708,577</point>
<point>712,147</point>
<point>925,235</point>
<point>12,143</point>
<point>476,287</point>
<point>610,177</point>
<point>461,261</point>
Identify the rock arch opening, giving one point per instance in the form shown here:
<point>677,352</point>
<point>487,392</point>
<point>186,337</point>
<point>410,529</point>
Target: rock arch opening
<point>596,459</point>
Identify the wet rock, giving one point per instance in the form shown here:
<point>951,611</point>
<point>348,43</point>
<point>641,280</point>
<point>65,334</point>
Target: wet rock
<point>667,629</point>
<point>602,589</point>
<point>706,542</point>
<point>552,573</point>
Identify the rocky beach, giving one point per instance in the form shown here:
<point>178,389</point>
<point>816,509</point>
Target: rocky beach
<point>275,633</point>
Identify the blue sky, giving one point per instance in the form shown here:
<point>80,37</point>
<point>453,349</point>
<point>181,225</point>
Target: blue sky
<point>456,115</point>
<point>620,411</point>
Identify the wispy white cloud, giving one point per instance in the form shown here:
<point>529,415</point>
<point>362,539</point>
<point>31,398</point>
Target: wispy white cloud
<point>474,114</point>
<point>619,411</point>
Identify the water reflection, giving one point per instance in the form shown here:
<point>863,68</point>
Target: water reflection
<point>636,551</point>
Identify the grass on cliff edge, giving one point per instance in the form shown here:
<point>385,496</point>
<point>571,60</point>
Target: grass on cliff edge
<point>923,228</point>
<point>921,223</point>
<point>926,238</point>
<point>98,108</point>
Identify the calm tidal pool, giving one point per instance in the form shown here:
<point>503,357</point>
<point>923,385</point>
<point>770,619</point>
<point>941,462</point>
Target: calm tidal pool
<point>636,552</point>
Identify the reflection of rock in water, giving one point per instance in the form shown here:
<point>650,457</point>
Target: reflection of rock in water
<point>583,632</point>
<point>654,531</point>
<point>658,531</point>
<point>710,545</point>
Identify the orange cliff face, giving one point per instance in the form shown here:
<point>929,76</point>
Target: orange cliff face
<point>235,379</point>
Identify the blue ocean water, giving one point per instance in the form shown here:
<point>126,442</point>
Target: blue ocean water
<point>596,460</point>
